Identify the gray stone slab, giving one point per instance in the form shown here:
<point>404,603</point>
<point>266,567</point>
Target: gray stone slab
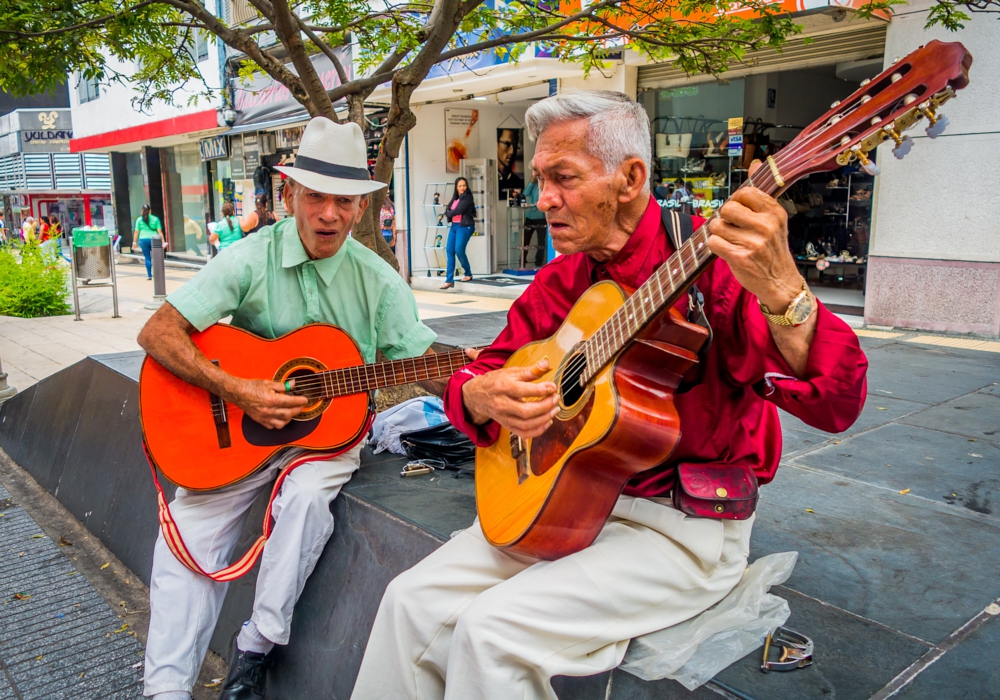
<point>931,464</point>
<point>975,416</point>
<point>6,691</point>
<point>853,658</point>
<point>911,564</point>
<point>969,670</point>
<point>125,363</point>
<point>468,330</point>
<point>928,374</point>
<point>13,421</point>
<point>993,390</point>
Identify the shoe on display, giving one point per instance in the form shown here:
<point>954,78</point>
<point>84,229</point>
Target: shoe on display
<point>247,675</point>
<point>693,165</point>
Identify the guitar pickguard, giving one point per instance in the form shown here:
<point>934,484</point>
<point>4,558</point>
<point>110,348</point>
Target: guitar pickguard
<point>257,434</point>
<point>546,449</point>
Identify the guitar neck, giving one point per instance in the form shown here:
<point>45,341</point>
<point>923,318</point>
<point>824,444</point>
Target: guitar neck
<point>364,378</point>
<point>661,290</point>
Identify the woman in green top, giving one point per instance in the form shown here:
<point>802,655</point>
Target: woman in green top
<point>147,226</point>
<point>226,232</point>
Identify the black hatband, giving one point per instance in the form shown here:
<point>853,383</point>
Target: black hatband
<point>321,167</point>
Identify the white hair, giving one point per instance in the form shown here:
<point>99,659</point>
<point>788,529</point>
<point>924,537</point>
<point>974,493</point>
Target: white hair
<point>618,127</point>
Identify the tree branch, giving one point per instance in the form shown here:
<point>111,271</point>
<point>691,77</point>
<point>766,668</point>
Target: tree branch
<point>82,25</point>
<point>325,48</point>
<point>287,30</point>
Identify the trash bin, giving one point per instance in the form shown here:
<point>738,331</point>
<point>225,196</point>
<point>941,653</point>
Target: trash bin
<point>91,253</point>
<point>92,259</point>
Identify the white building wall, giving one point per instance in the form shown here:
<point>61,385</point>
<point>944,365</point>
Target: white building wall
<point>113,109</point>
<point>427,165</point>
<point>935,249</point>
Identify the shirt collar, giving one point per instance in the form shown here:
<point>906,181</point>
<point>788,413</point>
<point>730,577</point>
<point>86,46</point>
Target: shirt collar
<point>627,263</point>
<point>293,254</point>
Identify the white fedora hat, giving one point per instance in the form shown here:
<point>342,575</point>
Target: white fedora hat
<point>332,159</point>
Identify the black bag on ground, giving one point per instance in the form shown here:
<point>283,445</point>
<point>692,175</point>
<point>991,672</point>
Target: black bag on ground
<point>442,442</point>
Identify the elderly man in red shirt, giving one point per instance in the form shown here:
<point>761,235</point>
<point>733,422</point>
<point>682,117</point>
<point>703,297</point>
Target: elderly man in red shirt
<point>472,621</point>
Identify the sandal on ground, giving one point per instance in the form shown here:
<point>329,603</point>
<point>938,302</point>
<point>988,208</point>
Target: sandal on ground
<point>466,279</point>
<point>447,285</point>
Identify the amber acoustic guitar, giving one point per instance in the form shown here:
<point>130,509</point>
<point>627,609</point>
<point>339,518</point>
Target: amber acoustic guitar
<point>201,442</point>
<point>618,358</point>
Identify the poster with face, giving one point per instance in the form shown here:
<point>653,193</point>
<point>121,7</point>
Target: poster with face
<point>510,162</point>
<point>461,136</point>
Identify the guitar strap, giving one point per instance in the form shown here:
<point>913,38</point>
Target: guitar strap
<point>172,535</point>
<point>680,228</point>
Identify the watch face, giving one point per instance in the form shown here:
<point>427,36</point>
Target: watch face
<point>801,308</point>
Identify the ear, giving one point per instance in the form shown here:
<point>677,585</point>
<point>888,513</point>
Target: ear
<point>634,178</point>
<point>288,196</point>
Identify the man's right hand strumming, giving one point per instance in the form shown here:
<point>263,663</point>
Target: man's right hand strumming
<point>513,398</point>
<point>167,339</point>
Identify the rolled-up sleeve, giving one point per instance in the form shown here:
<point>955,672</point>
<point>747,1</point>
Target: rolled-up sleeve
<point>399,330</point>
<point>831,393</point>
<point>215,292</point>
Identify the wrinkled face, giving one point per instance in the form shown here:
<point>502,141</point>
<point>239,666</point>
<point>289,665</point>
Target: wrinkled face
<point>506,149</point>
<point>323,220</point>
<point>579,198</point>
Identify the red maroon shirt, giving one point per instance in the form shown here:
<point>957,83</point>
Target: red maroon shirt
<point>731,414</point>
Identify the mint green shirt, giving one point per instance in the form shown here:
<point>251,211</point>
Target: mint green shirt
<point>227,236</point>
<point>271,287</point>
<point>148,230</point>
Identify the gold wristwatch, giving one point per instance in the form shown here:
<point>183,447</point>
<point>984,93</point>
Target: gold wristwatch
<point>798,310</point>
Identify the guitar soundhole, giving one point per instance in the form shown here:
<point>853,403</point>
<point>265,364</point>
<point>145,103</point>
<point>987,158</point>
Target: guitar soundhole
<point>304,369</point>
<point>571,386</point>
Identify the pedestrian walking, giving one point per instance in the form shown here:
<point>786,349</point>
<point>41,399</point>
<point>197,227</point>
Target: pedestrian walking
<point>260,217</point>
<point>387,221</point>
<point>224,233</point>
<point>461,211</point>
<point>147,226</point>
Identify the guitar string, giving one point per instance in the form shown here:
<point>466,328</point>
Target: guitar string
<point>398,366</point>
<point>351,386</point>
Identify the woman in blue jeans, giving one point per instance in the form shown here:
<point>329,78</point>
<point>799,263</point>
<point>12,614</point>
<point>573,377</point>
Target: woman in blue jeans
<point>147,226</point>
<point>461,212</point>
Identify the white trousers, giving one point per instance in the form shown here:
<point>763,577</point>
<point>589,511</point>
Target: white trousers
<point>471,621</point>
<point>184,606</point>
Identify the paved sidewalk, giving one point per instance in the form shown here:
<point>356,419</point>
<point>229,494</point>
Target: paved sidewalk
<point>58,637</point>
<point>32,349</point>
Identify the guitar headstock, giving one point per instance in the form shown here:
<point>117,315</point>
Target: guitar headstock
<point>911,89</point>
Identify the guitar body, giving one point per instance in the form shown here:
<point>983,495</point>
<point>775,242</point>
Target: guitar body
<point>550,496</point>
<point>179,421</point>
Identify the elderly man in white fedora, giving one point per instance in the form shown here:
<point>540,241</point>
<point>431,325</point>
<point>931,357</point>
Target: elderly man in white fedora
<point>304,269</point>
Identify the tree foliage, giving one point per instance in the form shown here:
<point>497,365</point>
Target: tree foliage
<point>148,43</point>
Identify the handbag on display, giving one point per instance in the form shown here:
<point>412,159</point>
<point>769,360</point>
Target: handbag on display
<point>673,145</point>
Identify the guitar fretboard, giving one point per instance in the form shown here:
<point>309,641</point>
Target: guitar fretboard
<point>364,378</point>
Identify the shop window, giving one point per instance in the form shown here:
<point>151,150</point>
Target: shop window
<point>87,88</point>
<point>199,45</point>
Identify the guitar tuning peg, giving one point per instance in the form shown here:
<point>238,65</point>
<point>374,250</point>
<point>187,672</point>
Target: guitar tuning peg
<point>866,163</point>
<point>902,148</point>
<point>937,127</point>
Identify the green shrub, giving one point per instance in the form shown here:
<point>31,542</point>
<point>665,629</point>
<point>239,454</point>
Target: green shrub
<point>33,282</point>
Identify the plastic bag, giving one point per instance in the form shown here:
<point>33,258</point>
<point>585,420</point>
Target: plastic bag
<point>415,414</point>
<point>695,650</point>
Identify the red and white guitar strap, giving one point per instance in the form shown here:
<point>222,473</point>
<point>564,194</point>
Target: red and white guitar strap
<point>175,541</point>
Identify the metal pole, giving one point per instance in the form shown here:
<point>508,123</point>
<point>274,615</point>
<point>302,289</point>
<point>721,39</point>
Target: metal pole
<point>114,278</point>
<point>72,272</point>
<point>159,275</point>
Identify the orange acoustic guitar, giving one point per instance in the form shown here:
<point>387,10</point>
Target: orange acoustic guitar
<point>200,442</point>
<point>618,359</point>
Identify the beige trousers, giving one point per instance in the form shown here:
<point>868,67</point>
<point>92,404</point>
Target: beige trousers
<point>471,621</point>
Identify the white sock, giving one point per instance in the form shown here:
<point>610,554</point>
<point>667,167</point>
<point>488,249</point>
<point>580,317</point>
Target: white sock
<point>172,695</point>
<point>251,639</point>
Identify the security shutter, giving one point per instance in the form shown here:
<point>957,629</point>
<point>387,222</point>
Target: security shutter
<point>853,44</point>
<point>68,175</point>
<point>97,169</point>
<point>38,171</point>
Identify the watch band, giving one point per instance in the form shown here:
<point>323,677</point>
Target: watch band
<point>785,319</point>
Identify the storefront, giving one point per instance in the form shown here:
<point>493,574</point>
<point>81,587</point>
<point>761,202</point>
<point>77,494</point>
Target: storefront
<point>40,177</point>
<point>706,132</point>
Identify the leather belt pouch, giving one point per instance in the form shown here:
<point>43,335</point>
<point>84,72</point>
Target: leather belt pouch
<point>720,491</point>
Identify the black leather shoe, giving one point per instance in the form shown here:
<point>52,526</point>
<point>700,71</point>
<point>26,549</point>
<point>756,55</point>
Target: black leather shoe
<point>247,675</point>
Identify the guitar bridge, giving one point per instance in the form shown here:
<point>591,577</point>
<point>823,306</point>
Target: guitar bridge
<point>221,418</point>
<point>519,451</point>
